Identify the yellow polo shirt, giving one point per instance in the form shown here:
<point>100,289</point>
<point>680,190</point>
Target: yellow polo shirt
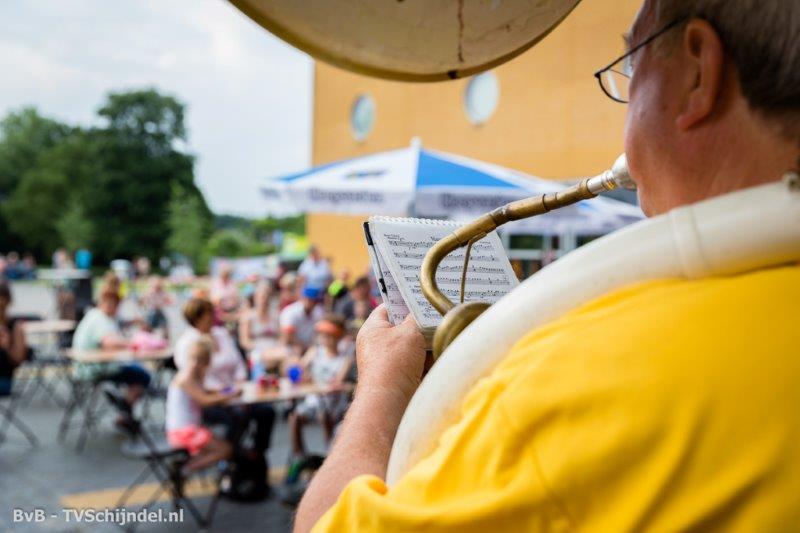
<point>664,406</point>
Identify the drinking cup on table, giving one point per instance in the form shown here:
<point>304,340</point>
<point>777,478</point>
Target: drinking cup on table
<point>295,374</point>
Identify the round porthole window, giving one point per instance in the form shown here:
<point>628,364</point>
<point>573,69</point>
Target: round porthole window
<point>481,97</point>
<point>362,117</point>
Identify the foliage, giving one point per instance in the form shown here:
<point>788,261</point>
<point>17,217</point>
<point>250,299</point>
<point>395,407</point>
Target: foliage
<point>120,189</point>
<point>236,243</point>
<point>237,236</point>
<point>35,206</point>
<point>75,228</point>
<point>25,137</point>
<point>189,225</point>
<point>295,224</point>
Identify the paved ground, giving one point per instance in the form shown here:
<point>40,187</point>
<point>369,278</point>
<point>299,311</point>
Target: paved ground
<point>54,476</point>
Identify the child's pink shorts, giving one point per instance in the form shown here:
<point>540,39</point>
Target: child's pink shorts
<point>193,438</point>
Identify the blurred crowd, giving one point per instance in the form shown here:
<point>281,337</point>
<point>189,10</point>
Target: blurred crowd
<point>295,328</point>
<point>14,267</point>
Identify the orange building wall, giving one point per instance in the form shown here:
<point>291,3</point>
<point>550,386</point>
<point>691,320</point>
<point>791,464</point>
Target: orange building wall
<point>552,119</point>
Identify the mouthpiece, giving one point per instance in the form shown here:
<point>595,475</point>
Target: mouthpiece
<point>615,178</point>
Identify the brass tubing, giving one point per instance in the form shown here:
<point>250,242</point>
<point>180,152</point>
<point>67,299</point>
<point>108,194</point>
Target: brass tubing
<point>481,226</point>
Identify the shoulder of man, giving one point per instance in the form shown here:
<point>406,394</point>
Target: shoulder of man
<point>667,322</point>
<point>656,377</point>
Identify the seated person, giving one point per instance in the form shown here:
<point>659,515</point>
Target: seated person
<point>287,285</point>
<point>258,328</point>
<point>297,320</point>
<point>227,369</point>
<point>358,303</point>
<point>338,289</point>
<point>153,303</point>
<point>225,296</point>
<point>13,350</point>
<point>326,366</point>
<point>98,330</point>
<point>186,397</point>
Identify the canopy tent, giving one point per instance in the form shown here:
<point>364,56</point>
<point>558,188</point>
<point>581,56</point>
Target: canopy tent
<point>413,181</point>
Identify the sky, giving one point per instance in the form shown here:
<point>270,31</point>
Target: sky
<point>248,94</point>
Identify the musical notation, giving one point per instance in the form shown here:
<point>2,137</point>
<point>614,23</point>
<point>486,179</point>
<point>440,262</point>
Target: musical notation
<point>473,268</point>
<point>403,245</point>
<point>409,255</point>
<point>470,280</point>
<point>469,295</point>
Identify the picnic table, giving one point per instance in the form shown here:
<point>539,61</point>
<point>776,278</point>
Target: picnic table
<point>86,393</point>
<point>253,393</point>
<point>45,367</point>
<point>47,327</point>
<point>120,355</point>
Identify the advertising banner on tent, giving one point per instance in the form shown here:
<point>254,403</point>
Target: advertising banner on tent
<point>419,182</point>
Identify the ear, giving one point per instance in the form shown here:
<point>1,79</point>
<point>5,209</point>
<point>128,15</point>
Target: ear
<point>703,50</point>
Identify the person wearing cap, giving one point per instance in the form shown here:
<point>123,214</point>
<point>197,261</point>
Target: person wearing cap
<point>297,320</point>
<point>324,365</point>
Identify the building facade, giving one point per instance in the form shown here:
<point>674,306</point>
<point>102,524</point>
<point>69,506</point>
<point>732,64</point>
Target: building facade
<point>542,113</point>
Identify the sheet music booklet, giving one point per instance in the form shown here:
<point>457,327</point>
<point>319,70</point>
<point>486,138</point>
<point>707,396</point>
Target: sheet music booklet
<point>397,247</point>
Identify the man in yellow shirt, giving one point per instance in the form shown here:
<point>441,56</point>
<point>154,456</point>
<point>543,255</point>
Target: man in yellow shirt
<point>667,405</point>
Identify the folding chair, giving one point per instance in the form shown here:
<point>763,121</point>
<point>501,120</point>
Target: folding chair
<point>157,391</point>
<point>83,402</point>
<point>43,357</point>
<point>8,404</point>
<point>48,370</point>
<point>164,462</point>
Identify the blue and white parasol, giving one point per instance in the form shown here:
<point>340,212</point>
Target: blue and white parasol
<point>413,181</point>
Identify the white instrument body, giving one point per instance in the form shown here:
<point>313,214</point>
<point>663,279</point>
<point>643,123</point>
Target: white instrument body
<point>742,231</point>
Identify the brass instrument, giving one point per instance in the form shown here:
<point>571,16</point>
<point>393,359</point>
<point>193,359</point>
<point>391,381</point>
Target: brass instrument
<point>410,40</point>
<point>458,316</point>
<point>432,40</point>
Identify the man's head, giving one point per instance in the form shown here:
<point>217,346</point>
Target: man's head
<point>311,297</point>
<point>361,288</point>
<point>108,302</point>
<point>199,313</point>
<point>715,101</point>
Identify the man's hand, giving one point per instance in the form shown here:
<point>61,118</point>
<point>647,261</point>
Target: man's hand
<point>390,357</point>
<point>390,362</point>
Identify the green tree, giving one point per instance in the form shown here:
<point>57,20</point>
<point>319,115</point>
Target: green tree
<point>34,207</point>
<point>295,224</point>
<point>189,226</point>
<point>75,229</point>
<point>25,136</point>
<point>109,188</point>
<point>235,243</point>
<point>138,168</point>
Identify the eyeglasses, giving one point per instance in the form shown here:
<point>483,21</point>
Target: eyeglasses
<point>615,78</point>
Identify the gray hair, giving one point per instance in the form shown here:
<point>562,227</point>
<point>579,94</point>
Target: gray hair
<point>763,39</point>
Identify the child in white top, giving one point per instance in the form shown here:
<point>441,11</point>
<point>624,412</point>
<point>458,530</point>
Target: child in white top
<point>186,398</point>
<point>325,365</point>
